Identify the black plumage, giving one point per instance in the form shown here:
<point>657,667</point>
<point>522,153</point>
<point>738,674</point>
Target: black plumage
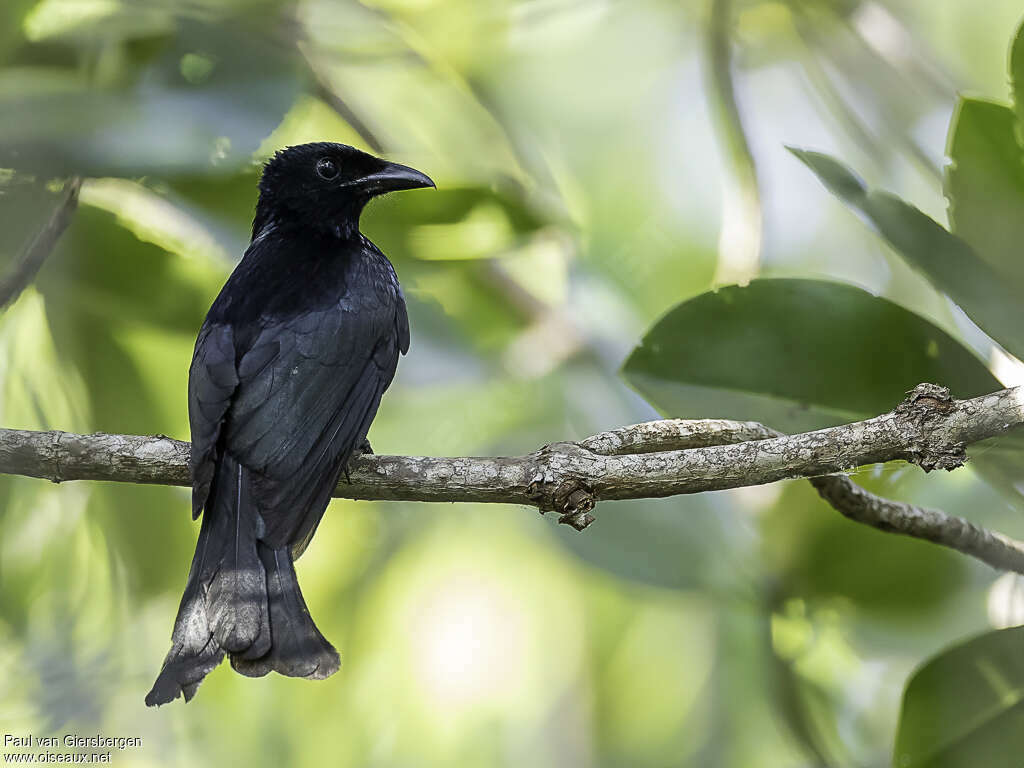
<point>288,371</point>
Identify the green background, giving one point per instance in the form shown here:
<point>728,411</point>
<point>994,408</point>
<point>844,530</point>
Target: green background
<point>584,176</point>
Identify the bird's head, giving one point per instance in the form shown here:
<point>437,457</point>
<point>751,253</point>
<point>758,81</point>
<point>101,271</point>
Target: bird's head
<point>325,186</point>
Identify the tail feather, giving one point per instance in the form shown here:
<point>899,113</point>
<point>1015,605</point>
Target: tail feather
<point>298,649</point>
<point>242,597</point>
<point>224,607</point>
<point>236,600</point>
<point>194,651</point>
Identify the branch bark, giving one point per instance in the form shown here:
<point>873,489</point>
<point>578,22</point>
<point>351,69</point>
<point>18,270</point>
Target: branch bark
<point>654,459</point>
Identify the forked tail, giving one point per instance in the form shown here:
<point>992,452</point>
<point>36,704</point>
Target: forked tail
<point>241,598</point>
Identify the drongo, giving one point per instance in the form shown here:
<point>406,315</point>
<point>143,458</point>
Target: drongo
<point>288,370</point>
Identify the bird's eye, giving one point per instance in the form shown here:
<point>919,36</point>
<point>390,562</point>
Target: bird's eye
<point>326,168</point>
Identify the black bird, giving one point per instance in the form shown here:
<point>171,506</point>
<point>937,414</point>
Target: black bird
<point>288,371</point>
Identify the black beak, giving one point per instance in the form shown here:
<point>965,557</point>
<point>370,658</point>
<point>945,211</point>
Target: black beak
<point>392,177</point>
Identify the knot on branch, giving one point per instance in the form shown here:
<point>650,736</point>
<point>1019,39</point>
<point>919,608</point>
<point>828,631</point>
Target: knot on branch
<point>923,412</point>
<point>574,501</point>
<point>553,489</point>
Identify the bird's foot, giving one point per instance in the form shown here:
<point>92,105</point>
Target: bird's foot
<point>363,449</point>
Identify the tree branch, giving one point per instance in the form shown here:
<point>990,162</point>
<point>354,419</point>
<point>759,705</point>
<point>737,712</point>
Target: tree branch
<point>654,459</point>
<point>859,505</point>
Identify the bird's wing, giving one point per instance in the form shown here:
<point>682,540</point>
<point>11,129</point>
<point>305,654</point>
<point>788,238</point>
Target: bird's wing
<point>309,385</point>
<point>212,381</point>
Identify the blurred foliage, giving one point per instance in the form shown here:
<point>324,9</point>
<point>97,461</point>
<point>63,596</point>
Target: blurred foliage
<point>581,189</point>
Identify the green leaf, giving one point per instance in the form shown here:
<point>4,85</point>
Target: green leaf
<point>795,354</point>
<point>964,707</point>
<point>948,262</point>
<point>1017,72</point>
<point>985,185</point>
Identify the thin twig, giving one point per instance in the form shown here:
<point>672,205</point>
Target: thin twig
<point>327,93</point>
<point>859,505</point>
<point>39,247</point>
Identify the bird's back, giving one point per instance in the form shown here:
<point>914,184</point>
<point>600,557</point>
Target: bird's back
<point>316,335</point>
